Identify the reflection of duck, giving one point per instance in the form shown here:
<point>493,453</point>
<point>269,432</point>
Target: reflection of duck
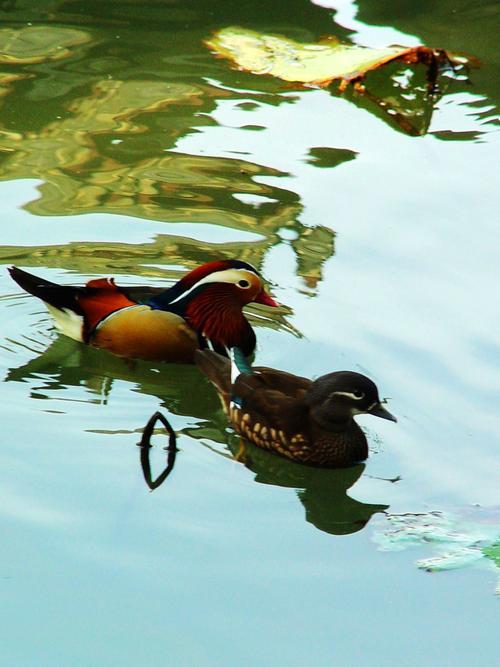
<point>323,493</point>
<point>66,363</point>
<point>203,308</point>
<point>310,422</point>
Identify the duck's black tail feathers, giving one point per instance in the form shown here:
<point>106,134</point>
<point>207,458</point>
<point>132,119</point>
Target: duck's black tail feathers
<point>58,296</point>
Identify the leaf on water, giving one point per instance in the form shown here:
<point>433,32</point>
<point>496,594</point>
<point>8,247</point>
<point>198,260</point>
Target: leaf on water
<point>452,560</point>
<point>317,64</point>
<point>458,540</point>
<point>493,553</point>
<point>36,44</point>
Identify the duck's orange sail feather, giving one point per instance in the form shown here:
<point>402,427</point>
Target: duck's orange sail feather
<point>98,304</point>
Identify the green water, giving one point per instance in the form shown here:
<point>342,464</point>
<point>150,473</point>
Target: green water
<point>128,149</point>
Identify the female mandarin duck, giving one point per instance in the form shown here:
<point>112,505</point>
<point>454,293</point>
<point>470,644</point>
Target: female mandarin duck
<point>309,422</point>
<point>203,309</point>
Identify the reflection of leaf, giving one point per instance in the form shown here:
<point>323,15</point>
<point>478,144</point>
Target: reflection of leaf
<point>85,169</point>
<point>7,78</point>
<point>173,188</point>
<point>111,152</point>
<point>139,259</point>
<point>113,103</point>
<point>318,64</point>
<point>399,95</point>
<point>274,319</point>
<point>326,158</point>
<point>313,247</point>
<point>36,44</point>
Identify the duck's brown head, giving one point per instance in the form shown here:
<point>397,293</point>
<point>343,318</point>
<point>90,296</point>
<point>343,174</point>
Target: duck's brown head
<point>335,398</point>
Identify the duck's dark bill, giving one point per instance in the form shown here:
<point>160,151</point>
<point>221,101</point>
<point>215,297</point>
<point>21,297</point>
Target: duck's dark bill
<point>379,411</point>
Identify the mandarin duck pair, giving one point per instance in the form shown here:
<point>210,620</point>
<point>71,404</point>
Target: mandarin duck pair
<point>200,319</point>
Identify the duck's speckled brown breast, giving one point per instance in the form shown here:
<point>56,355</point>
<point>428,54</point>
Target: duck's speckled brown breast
<point>314,447</point>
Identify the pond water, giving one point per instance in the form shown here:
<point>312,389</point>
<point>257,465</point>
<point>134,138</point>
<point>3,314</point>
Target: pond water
<point>128,149</point>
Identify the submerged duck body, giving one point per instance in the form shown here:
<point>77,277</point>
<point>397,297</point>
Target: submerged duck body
<point>307,421</point>
<point>202,309</point>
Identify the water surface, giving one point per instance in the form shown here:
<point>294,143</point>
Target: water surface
<point>127,149</point>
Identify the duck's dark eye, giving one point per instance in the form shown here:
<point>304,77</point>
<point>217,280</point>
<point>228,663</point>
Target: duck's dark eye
<point>243,283</point>
<point>358,394</point>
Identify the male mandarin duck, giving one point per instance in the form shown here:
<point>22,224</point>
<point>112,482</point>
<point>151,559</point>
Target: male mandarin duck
<point>203,309</point>
<point>307,421</point>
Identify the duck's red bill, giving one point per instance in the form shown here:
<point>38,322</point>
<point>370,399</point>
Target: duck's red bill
<point>266,299</point>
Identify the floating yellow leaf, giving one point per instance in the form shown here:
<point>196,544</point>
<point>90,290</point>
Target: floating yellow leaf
<point>317,64</point>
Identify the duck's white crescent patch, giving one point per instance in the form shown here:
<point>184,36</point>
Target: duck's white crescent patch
<point>227,276</point>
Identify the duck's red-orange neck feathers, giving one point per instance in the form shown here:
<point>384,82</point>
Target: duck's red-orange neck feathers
<point>217,315</point>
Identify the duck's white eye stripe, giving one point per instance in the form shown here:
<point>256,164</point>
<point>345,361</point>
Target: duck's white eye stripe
<point>349,395</point>
<point>226,276</point>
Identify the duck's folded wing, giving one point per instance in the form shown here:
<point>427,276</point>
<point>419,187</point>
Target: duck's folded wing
<point>270,406</point>
<point>286,383</point>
